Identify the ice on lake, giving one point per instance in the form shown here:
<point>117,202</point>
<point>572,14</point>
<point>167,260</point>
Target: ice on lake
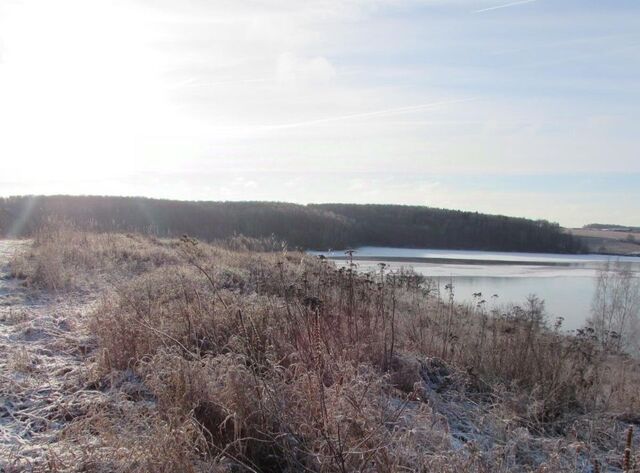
<point>565,282</point>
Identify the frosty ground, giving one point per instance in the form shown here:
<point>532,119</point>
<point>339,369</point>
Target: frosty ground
<point>129,354</point>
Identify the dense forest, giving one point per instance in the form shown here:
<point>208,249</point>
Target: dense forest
<point>318,226</point>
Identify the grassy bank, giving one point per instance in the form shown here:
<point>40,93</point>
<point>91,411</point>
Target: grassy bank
<point>227,358</point>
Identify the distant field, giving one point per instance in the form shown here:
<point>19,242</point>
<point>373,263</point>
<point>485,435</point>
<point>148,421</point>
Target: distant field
<point>615,235</point>
<point>608,241</point>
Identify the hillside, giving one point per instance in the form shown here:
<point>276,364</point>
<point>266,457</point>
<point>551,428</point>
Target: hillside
<point>319,226</point>
<point>612,227</point>
<point>124,353</point>
<point>609,239</point>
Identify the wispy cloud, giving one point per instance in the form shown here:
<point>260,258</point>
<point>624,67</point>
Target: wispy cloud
<point>256,88</point>
<point>506,5</point>
<point>375,113</point>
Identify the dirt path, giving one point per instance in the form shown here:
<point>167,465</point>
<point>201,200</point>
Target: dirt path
<point>42,354</point>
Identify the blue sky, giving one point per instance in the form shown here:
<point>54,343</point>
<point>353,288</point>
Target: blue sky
<point>527,108</point>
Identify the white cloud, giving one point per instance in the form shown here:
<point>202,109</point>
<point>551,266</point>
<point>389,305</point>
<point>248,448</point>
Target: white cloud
<point>127,88</point>
<point>294,71</point>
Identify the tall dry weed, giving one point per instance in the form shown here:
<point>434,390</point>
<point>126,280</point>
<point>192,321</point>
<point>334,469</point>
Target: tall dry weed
<point>251,361</point>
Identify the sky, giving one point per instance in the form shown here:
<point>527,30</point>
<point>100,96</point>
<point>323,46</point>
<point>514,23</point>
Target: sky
<point>527,108</point>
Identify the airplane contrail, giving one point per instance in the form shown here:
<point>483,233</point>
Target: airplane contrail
<point>506,5</point>
<point>376,113</point>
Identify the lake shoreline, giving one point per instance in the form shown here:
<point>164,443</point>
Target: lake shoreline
<point>399,259</point>
<point>565,282</point>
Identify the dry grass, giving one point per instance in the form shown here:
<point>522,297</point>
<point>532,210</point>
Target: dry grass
<point>64,259</point>
<point>220,358</point>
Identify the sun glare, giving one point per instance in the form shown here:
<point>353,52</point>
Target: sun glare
<point>80,84</point>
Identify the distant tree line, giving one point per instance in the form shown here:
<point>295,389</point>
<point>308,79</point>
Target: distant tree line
<point>319,226</point>
<point>427,227</point>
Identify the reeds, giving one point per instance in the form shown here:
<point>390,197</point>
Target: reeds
<point>279,361</point>
<point>626,461</point>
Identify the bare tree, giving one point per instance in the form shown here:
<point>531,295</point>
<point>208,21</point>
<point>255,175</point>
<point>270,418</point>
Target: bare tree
<point>615,309</point>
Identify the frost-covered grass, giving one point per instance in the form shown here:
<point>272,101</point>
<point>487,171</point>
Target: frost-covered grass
<point>196,357</point>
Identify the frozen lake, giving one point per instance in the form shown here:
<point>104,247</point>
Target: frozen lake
<point>565,282</point>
